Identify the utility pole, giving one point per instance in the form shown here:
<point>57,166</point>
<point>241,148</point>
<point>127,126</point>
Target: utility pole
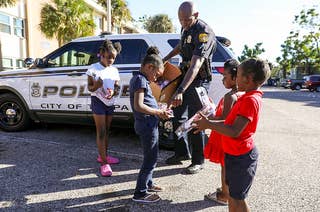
<point>108,2</point>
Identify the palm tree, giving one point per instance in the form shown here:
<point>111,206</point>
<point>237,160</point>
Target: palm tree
<point>120,12</point>
<point>158,23</point>
<point>5,3</point>
<point>66,20</point>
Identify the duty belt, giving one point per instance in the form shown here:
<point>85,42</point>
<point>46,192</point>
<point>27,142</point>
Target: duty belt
<point>204,72</point>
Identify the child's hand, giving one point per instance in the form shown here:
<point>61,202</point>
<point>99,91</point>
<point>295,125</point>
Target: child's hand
<point>98,83</point>
<point>200,123</point>
<point>109,93</point>
<point>165,114</point>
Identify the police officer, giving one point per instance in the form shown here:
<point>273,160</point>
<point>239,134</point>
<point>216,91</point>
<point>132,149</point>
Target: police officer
<point>196,47</point>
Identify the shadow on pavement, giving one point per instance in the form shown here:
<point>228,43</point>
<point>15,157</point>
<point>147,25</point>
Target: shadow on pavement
<point>50,176</point>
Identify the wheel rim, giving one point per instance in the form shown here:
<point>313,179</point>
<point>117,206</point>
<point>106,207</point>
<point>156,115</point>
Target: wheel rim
<point>10,114</point>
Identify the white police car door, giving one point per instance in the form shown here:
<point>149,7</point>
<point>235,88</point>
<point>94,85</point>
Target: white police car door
<point>61,86</point>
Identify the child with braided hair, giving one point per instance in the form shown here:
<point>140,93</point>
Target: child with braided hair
<point>213,149</point>
<point>103,83</point>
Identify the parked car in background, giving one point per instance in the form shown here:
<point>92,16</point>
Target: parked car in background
<point>312,82</point>
<point>293,84</point>
<point>273,81</point>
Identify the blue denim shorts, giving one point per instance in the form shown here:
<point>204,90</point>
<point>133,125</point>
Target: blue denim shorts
<point>99,108</point>
<point>240,171</point>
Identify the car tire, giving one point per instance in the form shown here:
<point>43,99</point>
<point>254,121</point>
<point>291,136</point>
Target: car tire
<point>13,114</point>
<point>297,87</point>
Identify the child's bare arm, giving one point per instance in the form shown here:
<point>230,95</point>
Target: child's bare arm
<point>233,130</point>
<point>228,102</point>
<point>143,108</point>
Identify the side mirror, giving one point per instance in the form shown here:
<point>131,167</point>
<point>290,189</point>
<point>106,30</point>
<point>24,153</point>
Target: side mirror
<point>225,41</point>
<point>39,62</point>
<point>28,61</point>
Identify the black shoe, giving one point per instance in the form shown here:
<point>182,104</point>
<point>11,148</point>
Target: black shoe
<point>176,160</point>
<point>194,168</point>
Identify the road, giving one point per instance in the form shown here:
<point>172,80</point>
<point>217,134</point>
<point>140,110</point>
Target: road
<point>53,168</point>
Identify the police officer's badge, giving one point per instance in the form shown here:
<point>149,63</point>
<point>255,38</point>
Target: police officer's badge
<point>203,37</point>
<point>189,38</point>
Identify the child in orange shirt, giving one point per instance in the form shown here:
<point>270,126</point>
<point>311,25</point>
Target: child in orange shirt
<point>241,155</point>
<point>213,150</point>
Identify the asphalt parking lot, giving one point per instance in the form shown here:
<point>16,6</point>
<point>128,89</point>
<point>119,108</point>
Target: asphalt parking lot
<point>53,168</point>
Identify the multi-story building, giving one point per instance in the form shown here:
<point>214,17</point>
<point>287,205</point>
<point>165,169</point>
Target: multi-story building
<point>20,34</point>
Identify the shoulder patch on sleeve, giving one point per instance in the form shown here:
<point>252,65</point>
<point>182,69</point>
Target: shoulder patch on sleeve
<point>203,37</point>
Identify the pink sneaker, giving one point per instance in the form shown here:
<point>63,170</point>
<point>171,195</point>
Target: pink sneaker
<point>106,170</point>
<point>110,160</point>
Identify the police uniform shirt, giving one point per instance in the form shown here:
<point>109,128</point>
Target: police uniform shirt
<point>198,40</point>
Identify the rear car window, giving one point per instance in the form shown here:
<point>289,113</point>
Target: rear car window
<point>315,78</point>
<point>86,53</point>
<point>133,51</point>
<point>74,54</point>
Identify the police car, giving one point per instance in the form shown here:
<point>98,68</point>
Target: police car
<point>54,88</point>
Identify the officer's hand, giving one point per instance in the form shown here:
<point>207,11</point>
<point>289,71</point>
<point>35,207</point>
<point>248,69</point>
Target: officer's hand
<point>176,99</point>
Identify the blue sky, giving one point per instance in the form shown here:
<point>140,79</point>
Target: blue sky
<point>242,21</point>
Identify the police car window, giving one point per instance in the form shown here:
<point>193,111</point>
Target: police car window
<point>75,54</point>
<point>220,55</point>
<point>173,42</point>
<point>133,51</point>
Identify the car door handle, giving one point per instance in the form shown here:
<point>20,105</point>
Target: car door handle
<point>75,73</point>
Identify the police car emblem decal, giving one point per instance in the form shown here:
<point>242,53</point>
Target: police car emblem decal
<point>203,37</point>
<point>35,90</point>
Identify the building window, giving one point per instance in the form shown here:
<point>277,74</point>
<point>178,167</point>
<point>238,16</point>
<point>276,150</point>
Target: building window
<point>7,63</point>
<point>99,24</point>
<point>5,23</point>
<point>20,63</point>
<point>18,27</point>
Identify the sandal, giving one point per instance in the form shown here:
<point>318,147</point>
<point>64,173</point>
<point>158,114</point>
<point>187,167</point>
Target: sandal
<point>148,198</point>
<point>213,196</point>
